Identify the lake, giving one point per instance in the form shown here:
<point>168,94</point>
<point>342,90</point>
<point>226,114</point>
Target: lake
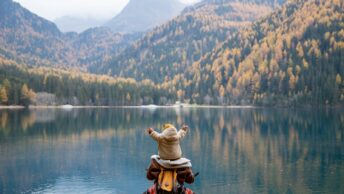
<point>251,150</point>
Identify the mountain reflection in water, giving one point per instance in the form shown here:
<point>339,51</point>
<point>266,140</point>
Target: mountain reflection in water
<point>236,150</point>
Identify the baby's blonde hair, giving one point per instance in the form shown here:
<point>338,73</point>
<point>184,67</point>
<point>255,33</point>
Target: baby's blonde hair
<point>166,126</point>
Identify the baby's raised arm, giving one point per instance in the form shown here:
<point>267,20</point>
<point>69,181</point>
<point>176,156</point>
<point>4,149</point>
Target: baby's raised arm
<point>155,135</point>
<point>182,132</point>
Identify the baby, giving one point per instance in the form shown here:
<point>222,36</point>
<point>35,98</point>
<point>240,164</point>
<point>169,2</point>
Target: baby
<point>168,141</point>
<point>169,149</point>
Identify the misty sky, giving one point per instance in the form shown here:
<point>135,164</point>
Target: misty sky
<point>100,9</point>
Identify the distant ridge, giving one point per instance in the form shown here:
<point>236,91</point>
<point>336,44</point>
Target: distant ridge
<point>77,24</point>
<point>142,15</point>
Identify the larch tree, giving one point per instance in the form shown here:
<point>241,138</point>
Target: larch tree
<point>3,95</point>
<point>27,95</point>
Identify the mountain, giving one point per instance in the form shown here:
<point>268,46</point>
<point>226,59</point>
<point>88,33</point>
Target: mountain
<point>274,3</point>
<point>215,52</point>
<point>95,46</point>
<point>13,16</point>
<point>174,46</point>
<point>30,39</point>
<point>20,30</point>
<point>77,24</point>
<point>292,57</point>
<point>142,15</point>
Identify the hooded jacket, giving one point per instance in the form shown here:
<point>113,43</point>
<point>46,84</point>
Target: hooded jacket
<point>168,143</point>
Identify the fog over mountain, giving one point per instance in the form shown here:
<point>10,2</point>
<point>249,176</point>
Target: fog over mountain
<point>77,24</point>
<point>79,15</point>
<point>139,15</point>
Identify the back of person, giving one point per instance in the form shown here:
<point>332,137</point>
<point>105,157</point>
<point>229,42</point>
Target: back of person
<point>169,141</point>
<point>169,170</point>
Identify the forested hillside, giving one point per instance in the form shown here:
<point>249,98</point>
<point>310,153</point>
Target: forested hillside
<point>293,56</point>
<point>216,52</point>
<point>23,85</point>
<point>171,48</point>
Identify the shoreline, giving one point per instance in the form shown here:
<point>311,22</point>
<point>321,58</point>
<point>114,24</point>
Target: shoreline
<point>152,107</point>
<point>141,106</point>
<point>12,107</point>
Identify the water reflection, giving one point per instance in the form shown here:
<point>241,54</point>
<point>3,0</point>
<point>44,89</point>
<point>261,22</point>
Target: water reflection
<point>236,150</point>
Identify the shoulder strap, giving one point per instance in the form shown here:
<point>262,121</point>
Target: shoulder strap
<point>161,178</point>
<point>167,179</point>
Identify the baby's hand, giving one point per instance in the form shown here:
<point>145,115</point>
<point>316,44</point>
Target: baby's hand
<point>150,130</point>
<point>185,127</point>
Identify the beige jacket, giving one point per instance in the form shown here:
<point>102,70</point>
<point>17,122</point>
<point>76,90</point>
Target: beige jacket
<point>168,143</point>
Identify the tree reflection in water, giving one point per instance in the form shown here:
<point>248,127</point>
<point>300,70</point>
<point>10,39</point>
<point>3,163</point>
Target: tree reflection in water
<point>236,150</point>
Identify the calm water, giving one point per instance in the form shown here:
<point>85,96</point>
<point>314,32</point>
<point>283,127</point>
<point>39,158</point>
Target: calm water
<point>235,150</point>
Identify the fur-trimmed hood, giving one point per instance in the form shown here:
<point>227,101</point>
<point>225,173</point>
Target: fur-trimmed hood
<point>170,134</point>
<point>168,142</point>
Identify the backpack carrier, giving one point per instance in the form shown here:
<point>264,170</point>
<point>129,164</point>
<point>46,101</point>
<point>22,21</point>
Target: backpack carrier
<point>169,176</point>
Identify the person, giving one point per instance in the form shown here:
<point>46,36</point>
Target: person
<point>169,141</point>
<point>170,154</point>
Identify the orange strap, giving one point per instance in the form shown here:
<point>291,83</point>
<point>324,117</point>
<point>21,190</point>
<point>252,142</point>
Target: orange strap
<point>167,179</point>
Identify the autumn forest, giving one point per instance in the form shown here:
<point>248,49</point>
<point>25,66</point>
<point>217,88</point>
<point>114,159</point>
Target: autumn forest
<point>264,53</point>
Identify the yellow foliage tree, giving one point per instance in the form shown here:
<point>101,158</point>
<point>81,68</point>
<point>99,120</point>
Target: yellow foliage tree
<point>27,95</point>
<point>338,79</point>
<point>3,95</point>
<point>292,82</point>
<point>222,91</point>
<point>180,94</point>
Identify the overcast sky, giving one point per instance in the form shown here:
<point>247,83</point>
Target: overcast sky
<point>101,9</point>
